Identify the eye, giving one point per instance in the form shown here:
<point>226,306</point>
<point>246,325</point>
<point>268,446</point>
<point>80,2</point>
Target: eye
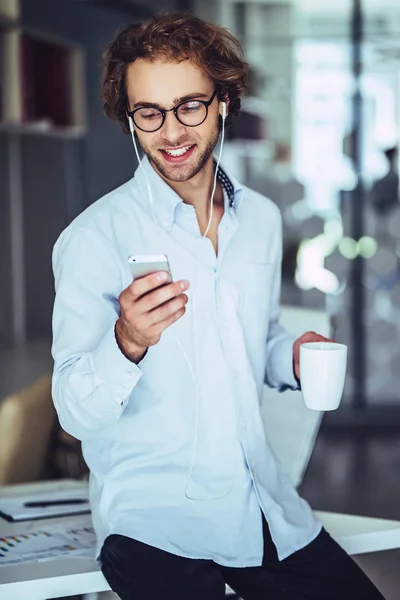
<point>190,107</point>
<point>149,113</point>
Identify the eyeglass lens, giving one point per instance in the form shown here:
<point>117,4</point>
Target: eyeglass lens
<point>189,113</point>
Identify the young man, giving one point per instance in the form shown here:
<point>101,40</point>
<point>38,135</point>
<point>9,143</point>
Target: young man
<point>163,382</point>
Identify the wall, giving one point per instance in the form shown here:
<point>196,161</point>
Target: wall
<point>5,242</point>
<point>61,177</point>
<point>108,157</point>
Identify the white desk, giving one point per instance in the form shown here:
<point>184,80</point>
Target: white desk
<point>69,576</point>
<point>359,535</point>
<point>66,576</point>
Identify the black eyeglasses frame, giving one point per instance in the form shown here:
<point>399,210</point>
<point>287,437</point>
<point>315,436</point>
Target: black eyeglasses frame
<point>174,109</point>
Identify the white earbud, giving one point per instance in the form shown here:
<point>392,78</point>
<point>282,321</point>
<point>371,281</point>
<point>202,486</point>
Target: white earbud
<point>130,124</point>
<point>223,111</point>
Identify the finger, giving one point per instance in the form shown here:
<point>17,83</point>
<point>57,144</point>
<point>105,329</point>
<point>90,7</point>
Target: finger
<point>163,325</point>
<point>144,285</point>
<point>168,309</point>
<point>162,295</point>
<point>312,336</point>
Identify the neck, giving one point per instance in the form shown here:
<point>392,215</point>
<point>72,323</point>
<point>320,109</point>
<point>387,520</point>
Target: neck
<point>197,190</point>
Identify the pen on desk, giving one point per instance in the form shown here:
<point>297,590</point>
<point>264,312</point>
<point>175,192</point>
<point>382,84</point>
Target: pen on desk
<point>44,503</point>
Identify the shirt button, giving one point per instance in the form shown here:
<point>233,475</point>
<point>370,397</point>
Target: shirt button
<point>245,425</point>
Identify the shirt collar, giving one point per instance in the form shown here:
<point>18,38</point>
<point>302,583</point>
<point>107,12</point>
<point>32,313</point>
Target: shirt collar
<point>166,200</point>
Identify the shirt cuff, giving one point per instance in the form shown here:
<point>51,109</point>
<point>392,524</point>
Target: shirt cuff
<point>285,360</point>
<point>118,374</point>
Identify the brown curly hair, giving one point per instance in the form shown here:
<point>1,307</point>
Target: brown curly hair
<point>174,36</point>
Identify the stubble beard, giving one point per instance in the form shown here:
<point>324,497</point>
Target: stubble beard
<point>180,173</point>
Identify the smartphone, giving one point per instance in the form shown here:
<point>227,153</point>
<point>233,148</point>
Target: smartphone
<point>146,264</point>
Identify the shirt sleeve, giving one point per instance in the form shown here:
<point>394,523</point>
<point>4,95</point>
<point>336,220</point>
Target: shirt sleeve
<point>279,364</point>
<point>92,379</point>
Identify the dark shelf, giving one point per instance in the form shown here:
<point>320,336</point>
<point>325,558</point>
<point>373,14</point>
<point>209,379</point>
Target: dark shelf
<point>45,81</point>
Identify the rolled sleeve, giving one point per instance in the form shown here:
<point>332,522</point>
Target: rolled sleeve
<point>279,360</point>
<point>284,357</point>
<point>279,369</point>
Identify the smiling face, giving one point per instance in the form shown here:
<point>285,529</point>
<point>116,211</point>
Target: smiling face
<point>177,151</point>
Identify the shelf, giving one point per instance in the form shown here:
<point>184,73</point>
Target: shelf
<point>42,84</point>
<point>42,130</point>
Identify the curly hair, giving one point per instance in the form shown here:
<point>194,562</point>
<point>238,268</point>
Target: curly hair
<point>174,36</point>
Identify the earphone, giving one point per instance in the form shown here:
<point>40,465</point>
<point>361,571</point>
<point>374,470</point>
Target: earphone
<point>191,369</point>
<point>216,169</point>
<point>223,111</point>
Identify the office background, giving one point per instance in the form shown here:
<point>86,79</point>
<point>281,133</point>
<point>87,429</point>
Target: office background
<point>318,135</point>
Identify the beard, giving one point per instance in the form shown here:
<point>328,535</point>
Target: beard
<point>180,173</point>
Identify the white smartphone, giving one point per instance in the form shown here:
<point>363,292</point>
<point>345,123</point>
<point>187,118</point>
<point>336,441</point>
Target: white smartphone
<point>146,264</point>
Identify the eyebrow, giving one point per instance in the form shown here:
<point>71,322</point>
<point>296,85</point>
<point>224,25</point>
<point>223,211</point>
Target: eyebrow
<point>176,101</point>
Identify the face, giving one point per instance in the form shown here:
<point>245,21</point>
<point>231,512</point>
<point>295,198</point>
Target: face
<point>164,84</point>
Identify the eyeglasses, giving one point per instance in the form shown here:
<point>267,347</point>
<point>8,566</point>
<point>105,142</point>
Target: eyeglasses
<point>190,113</point>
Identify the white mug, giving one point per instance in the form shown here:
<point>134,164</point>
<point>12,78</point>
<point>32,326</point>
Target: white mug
<point>322,374</point>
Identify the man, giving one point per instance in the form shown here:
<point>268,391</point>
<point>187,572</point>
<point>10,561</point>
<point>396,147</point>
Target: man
<point>162,382</point>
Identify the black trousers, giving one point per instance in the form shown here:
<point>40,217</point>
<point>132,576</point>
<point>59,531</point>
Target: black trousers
<point>320,571</point>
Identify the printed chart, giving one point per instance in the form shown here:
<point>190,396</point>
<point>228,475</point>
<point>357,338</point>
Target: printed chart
<point>47,544</point>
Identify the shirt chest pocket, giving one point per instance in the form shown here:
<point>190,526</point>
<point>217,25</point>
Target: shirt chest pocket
<point>255,298</point>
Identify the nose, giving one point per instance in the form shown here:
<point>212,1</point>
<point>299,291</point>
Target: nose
<point>172,129</point>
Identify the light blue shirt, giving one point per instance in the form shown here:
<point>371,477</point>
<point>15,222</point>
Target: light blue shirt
<point>176,445</point>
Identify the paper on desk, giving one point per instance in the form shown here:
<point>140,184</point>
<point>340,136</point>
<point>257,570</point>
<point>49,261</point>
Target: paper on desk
<point>12,507</point>
<point>47,544</point>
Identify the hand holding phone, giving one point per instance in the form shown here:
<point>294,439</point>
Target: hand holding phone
<point>148,306</point>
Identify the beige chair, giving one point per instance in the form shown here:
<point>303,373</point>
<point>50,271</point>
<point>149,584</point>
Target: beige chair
<point>292,430</point>
<point>27,419</point>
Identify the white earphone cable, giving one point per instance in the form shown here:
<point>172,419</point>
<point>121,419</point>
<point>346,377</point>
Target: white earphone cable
<point>194,310</point>
<point>191,369</point>
<point>216,174</point>
<point>143,169</point>
<point>197,391</point>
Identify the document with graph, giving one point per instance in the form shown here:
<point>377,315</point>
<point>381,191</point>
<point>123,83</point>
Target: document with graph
<point>48,543</point>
